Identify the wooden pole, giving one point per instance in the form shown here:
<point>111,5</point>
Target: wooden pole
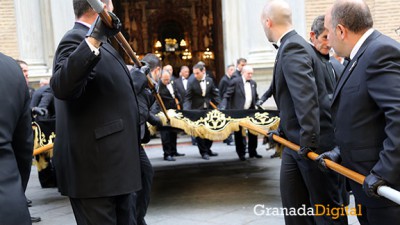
<point>42,149</point>
<point>383,190</point>
<point>312,155</point>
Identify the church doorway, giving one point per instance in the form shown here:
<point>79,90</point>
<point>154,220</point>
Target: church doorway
<point>180,32</point>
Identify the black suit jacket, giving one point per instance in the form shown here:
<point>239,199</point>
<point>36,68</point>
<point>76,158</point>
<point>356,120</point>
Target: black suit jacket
<point>16,143</point>
<point>366,107</point>
<point>300,94</point>
<point>236,74</point>
<point>43,97</point>
<point>235,95</point>
<point>337,66</point>
<point>330,72</point>
<point>179,86</point>
<point>223,85</point>
<point>194,98</point>
<point>168,100</point>
<point>96,152</point>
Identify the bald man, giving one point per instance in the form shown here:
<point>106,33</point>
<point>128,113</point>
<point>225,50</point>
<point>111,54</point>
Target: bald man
<point>365,108</point>
<point>301,96</point>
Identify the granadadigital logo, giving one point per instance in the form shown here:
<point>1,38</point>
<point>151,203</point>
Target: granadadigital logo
<point>318,210</point>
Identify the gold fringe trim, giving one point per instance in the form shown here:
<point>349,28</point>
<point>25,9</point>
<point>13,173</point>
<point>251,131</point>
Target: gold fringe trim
<point>39,141</point>
<point>215,125</point>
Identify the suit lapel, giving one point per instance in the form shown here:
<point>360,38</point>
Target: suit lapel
<point>352,64</point>
<point>241,87</point>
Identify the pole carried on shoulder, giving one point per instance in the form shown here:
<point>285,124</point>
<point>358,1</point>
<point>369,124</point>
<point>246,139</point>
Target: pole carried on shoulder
<point>383,191</point>
<point>98,6</point>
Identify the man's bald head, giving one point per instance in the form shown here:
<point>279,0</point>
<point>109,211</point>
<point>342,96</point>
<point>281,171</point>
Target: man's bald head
<point>278,11</point>
<point>276,19</point>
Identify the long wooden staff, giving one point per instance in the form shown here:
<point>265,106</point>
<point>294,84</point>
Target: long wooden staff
<point>384,191</point>
<point>43,148</point>
<point>98,6</point>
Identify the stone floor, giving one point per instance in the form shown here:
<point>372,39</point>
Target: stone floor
<point>191,191</point>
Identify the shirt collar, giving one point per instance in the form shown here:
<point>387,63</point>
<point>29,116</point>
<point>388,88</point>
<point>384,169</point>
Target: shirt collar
<point>83,23</point>
<point>360,42</point>
<point>278,43</point>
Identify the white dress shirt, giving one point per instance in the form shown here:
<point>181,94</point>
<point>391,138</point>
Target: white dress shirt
<point>247,91</point>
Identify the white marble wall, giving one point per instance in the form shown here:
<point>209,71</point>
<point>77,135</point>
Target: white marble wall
<point>40,26</point>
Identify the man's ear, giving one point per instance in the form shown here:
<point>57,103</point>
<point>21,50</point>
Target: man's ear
<point>342,31</point>
<point>312,36</point>
<point>268,21</point>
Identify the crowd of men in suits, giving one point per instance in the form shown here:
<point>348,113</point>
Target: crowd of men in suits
<point>199,91</point>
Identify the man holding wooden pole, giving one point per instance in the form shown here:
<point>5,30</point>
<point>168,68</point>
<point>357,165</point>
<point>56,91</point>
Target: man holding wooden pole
<point>366,108</point>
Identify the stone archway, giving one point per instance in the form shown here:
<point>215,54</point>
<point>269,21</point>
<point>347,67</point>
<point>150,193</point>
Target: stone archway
<point>197,22</point>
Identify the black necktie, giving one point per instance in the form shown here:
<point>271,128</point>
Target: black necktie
<point>275,46</point>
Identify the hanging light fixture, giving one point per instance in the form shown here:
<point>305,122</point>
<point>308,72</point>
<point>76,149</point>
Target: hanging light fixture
<point>208,54</point>
<point>182,43</point>
<point>158,44</point>
<point>186,54</point>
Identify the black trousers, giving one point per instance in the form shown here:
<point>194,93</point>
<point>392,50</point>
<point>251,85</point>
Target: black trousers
<point>204,145</point>
<point>240,143</point>
<point>303,183</point>
<point>143,196</point>
<point>168,139</point>
<point>115,210</point>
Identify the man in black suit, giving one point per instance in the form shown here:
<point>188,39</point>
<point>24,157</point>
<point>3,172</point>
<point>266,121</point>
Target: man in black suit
<point>365,108</point>
<point>319,40</point>
<point>16,143</point>
<point>225,80</point>
<point>240,62</point>
<point>242,94</point>
<point>182,82</point>
<point>25,71</point>
<point>171,98</point>
<point>201,91</point>
<point>42,102</point>
<point>222,87</point>
<point>300,94</point>
<point>96,151</point>
<point>145,101</point>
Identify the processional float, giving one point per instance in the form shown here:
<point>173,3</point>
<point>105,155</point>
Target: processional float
<point>217,125</point>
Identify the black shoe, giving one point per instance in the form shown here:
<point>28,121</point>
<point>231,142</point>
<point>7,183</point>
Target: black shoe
<point>205,156</point>
<point>256,156</point>
<point>211,153</point>
<point>230,143</point>
<point>29,202</point>
<point>242,158</point>
<point>35,219</point>
<point>177,154</point>
<point>169,158</point>
<point>275,155</point>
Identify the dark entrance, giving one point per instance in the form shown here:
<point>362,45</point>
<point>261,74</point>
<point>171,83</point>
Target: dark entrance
<point>180,32</point>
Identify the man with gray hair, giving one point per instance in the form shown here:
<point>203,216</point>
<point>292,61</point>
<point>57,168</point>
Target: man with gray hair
<point>299,91</point>
<point>366,108</point>
<point>319,40</point>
